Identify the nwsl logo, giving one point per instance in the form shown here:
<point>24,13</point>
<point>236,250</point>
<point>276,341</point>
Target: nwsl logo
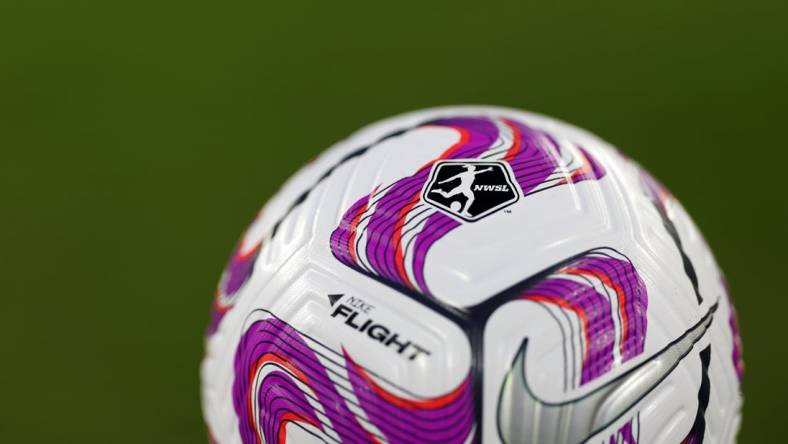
<point>470,189</point>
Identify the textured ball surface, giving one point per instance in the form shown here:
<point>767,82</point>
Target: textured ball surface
<point>472,274</point>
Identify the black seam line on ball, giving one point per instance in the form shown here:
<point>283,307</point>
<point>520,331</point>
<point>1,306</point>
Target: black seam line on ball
<point>704,392</point>
<point>689,268</point>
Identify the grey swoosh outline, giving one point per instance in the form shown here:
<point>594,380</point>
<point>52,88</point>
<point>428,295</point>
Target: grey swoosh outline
<point>590,413</point>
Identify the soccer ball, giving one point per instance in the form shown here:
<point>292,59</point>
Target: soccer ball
<point>472,274</point>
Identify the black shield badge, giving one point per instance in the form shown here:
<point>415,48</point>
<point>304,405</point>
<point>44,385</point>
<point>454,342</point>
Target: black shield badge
<point>470,189</point>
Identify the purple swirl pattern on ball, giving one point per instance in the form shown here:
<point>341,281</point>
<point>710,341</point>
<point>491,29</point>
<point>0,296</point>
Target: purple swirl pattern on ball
<point>628,433</point>
<point>737,347</point>
<point>605,294</point>
<point>445,419</point>
<point>736,355</point>
<point>262,406</point>
<point>280,379</point>
<point>237,272</point>
<point>384,225</point>
<point>389,232</point>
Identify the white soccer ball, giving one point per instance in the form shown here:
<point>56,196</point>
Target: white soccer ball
<point>472,274</point>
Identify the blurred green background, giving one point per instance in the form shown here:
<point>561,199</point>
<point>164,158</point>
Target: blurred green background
<point>137,140</point>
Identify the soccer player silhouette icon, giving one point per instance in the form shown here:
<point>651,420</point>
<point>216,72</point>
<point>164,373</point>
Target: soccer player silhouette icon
<point>464,188</point>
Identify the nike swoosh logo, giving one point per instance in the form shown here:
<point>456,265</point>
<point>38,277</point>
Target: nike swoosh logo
<point>529,419</point>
